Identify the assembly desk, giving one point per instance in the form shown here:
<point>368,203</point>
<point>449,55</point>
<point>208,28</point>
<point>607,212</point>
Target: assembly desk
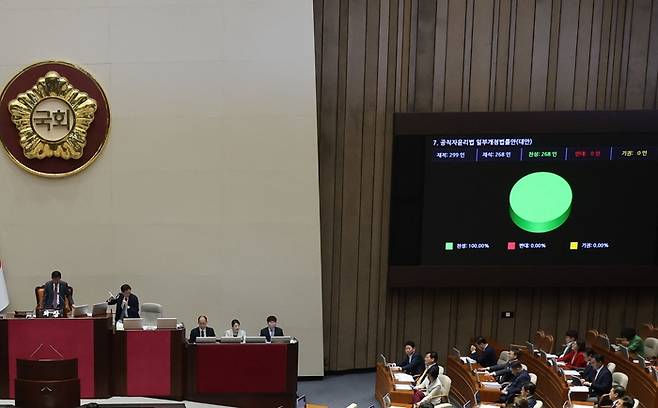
<point>244,375</point>
<point>152,363</point>
<point>465,383</point>
<point>385,384</point>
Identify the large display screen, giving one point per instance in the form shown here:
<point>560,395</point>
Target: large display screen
<point>524,199</point>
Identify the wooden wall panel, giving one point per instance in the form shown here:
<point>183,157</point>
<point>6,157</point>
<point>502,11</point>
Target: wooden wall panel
<point>376,57</point>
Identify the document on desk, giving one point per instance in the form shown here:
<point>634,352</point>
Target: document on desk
<point>579,388</point>
<point>572,373</point>
<point>467,360</point>
<point>491,385</point>
<point>549,356</point>
<point>489,406</point>
<point>403,377</point>
<point>403,387</point>
<point>561,363</point>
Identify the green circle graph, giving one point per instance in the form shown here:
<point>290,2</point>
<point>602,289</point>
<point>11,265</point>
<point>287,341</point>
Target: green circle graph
<point>540,202</point>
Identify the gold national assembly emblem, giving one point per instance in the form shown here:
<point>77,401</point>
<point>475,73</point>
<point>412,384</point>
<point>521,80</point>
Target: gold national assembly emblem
<point>54,119</point>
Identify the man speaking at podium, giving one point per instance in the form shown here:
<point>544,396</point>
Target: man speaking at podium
<point>127,303</point>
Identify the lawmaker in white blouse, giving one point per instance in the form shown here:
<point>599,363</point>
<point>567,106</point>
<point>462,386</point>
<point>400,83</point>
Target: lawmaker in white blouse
<point>235,331</point>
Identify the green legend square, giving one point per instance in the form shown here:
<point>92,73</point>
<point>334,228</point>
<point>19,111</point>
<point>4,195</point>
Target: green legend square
<point>449,246</point>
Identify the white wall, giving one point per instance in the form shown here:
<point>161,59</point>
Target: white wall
<point>205,198</point>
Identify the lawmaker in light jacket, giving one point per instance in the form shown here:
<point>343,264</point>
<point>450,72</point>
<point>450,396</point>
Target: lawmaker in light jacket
<point>235,331</point>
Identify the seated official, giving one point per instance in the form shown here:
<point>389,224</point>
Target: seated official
<point>528,393</point>
<point>632,341</point>
<point>127,303</point>
<point>610,399</point>
<point>422,382</point>
<point>235,331</point>
<point>570,337</point>
<point>55,290</point>
<point>435,391</point>
<point>602,379</point>
<point>588,372</point>
<point>413,362</point>
<point>502,372</point>
<point>625,402</point>
<point>202,330</point>
<point>483,353</point>
<point>576,357</point>
<point>271,330</point>
<point>521,377</point>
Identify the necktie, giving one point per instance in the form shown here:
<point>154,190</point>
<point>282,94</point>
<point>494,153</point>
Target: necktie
<point>203,333</point>
<point>56,300</point>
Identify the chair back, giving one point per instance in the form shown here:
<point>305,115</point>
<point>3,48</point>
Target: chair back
<point>446,383</point>
<point>504,357</point>
<point>620,379</point>
<point>441,369</point>
<point>533,378</point>
<point>636,403</point>
<point>40,294</point>
<point>150,312</point>
<point>612,367</point>
<point>539,404</point>
<point>651,347</point>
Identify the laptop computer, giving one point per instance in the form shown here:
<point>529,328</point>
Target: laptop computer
<point>281,339</point>
<point>80,310</point>
<point>166,323</point>
<point>206,340</point>
<point>133,323</point>
<point>99,309</point>
<point>301,402</point>
<point>457,352</point>
<point>230,339</point>
<point>255,339</point>
<point>531,347</point>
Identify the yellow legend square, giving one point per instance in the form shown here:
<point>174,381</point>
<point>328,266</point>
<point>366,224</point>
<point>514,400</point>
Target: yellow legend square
<point>573,246</point>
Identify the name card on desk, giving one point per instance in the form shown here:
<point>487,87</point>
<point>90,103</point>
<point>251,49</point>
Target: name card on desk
<point>403,377</point>
<point>579,388</point>
<point>491,384</point>
<point>572,373</point>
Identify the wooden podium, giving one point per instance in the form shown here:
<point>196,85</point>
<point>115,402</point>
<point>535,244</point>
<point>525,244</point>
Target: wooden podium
<point>47,383</point>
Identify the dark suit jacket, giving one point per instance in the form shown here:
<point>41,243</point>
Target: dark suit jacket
<point>196,332</point>
<point>503,372</point>
<point>532,401</point>
<point>486,358</point>
<point>588,373</point>
<point>133,306</point>
<point>514,388</point>
<point>414,367</point>
<point>49,295</point>
<point>602,383</point>
<point>265,332</point>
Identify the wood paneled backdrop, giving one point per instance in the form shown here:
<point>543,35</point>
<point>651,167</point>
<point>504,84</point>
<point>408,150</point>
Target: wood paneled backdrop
<point>376,57</point>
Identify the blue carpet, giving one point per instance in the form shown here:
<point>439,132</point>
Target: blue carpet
<point>339,391</point>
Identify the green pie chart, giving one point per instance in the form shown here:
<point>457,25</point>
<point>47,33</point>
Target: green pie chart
<point>540,202</point>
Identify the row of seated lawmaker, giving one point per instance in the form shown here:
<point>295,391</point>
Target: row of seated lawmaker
<point>203,330</point>
<point>429,386</point>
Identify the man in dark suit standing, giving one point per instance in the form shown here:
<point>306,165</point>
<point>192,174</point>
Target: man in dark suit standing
<point>271,330</point>
<point>602,382</point>
<point>521,377</point>
<point>202,330</point>
<point>55,292</point>
<point>486,356</point>
<point>413,363</point>
<point>127,303</point>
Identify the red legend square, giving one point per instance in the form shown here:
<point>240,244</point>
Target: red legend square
<point>511,246</point>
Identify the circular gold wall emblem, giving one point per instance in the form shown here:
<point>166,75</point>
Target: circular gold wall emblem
<point>54,119</point>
